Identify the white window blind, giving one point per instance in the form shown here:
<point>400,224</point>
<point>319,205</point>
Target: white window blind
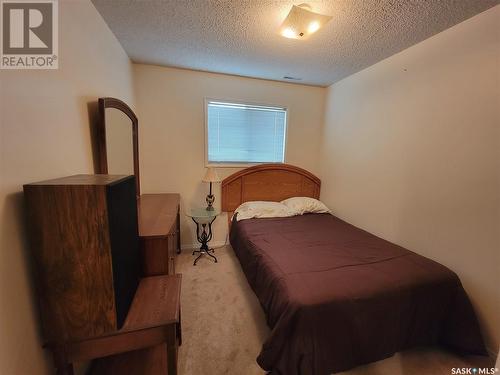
<point>241,133</point>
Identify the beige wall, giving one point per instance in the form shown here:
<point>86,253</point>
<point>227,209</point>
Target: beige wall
<point>45,133</point>
<point>170,105</point>
<point>411,153</point>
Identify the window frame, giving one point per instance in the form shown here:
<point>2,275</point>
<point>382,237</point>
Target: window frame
<point>242,102</point>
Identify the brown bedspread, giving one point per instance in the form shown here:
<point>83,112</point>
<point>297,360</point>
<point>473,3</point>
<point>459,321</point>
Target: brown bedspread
<point>336,296</point>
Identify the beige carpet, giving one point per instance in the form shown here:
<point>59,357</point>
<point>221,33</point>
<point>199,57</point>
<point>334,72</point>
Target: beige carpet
<point>224,326</point>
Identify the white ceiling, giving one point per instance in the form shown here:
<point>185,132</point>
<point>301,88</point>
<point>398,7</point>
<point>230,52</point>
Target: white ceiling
<point>240,36</point>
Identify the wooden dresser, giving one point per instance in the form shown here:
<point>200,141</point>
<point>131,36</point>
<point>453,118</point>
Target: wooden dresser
<point>87,256</point>
<point>159,232</point>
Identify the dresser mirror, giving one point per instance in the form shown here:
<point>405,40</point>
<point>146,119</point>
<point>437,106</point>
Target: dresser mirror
<point>118,139</point>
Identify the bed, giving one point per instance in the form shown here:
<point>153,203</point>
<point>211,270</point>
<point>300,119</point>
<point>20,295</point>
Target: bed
<point>336,296</point>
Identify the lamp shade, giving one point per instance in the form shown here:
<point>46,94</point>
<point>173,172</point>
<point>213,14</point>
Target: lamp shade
<point>211,175</point>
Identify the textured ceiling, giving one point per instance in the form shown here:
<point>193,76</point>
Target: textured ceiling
<point>240,36</point>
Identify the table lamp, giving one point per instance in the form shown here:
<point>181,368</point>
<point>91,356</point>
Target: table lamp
<point>211,176</point>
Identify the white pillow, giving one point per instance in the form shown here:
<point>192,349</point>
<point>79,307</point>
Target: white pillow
<point>261,209</point>
<point>304,205</point>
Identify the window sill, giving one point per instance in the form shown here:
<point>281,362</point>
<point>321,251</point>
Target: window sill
<point>238,165</point>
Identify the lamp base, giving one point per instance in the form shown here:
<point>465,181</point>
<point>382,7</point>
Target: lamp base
<point>210,199</point>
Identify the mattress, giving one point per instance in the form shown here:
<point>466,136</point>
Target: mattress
<point>336,296</point>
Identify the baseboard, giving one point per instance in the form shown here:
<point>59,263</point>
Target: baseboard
<point>197,245</point>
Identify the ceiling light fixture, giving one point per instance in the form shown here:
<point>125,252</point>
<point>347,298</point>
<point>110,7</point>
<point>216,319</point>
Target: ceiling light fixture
<point>301,22</point>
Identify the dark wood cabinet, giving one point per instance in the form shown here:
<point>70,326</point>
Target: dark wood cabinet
<point>84,233</point>
<point>159,232</point>
<point>84,240</point>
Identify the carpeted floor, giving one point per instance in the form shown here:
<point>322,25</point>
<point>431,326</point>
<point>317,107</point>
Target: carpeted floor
<point>224,326</point>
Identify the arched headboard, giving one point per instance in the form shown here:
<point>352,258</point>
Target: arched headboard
<point>268,182</point>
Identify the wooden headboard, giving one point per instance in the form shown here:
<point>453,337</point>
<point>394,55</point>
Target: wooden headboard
<point>268,182</point>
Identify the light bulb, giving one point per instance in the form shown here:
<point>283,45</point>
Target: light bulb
<point>313,27</point>
<point>289,33</point>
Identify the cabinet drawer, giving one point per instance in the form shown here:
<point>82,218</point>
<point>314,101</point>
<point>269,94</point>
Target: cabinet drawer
<point>155,256</point>
<point>159,219</point>
<point>159,255</point>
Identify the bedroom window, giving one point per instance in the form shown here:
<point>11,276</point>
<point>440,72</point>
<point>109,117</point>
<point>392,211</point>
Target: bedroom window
<point>239,133</point>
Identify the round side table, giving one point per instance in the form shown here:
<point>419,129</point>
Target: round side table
<point>203,219</point>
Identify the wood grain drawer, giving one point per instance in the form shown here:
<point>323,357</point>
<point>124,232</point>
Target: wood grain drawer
<point>159,232</point>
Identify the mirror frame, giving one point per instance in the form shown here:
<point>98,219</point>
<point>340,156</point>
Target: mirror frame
<point>102,165</point>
